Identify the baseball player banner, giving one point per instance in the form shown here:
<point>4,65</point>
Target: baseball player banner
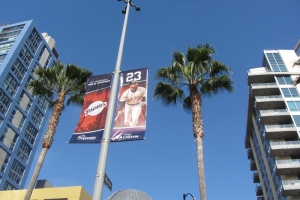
<point>130,120</point>
<point>91,123</point>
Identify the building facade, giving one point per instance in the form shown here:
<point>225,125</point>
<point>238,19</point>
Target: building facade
<point>273,126</point>
<point>22,116</point>
<point>60,193</point>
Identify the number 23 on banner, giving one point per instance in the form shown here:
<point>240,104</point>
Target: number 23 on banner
<point>131,76</point>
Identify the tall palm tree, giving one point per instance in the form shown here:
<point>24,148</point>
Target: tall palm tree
<point>56,83</point>
<point>203,76</point>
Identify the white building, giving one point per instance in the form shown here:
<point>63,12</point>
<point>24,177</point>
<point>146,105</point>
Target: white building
<point>273,126</point>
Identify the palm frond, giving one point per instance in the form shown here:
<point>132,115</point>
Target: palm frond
<point>297,63</point>
<point>187,104</point>
<point>218,68</point>
<point>297,81</point>
<point>69,79</point>
<point>38,87</point>
<point>168,94</point>
<point>76,99</point>
<point>171,74</point>
<point>216,85</point>
<point>178,57</point>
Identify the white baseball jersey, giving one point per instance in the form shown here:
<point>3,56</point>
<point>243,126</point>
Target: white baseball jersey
<point>133,98</point>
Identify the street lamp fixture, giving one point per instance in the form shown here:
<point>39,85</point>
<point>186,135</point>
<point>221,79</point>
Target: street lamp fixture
<point>131,4</point>
<point>185,195</point>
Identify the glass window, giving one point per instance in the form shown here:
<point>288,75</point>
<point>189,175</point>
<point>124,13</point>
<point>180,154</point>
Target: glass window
<point>4,102</point>
<point>31,133</point>
<point>5,47</point>
<point>297,120</point>
<point>17,118</point>
<point>26,56</point>
<point>8,186</point>
<point>1,120</point>
<point>44,57</point>
<point>9,137</point>
<point>276,62</point>
<point>11,85</point>
<point>19,70</point>
<point>294,105</point>
<point>24,151</point>
<point>43,103</point>
<point>10,33</point>
<point>4,158</point>
<point>284,80</point>
<point>290,92</point>
<point>34,40</point>
<point>2,57</point>
<point>16,172</point>
<point>25,102</point>
<point>37,117</point>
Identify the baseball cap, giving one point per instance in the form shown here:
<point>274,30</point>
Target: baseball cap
<point>132,82</point>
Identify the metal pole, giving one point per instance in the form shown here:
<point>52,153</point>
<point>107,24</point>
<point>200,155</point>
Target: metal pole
<point>100,174</point>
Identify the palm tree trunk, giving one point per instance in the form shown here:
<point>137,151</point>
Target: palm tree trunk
<point>198,131</point>
<point>47,141</point>
<point>36,173</point>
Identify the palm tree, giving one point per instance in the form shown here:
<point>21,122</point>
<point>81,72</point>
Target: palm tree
<point>203,76</point>
<point>297,63</point>
<point>56,83</point>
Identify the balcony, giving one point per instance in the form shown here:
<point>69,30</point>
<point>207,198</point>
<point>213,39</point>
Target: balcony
<point>290,187</point>
<point>255,177</point>
<point>260,198</point>
<point>278,116</point>
<point>285,167</point>
<point>264,89</point>
<point>263,75</point>
<point>253,165</point>
<point>269,102</point>
<point>285,148</point>
<point>259,191</point>
<point>250,154</point>
<point>280,131</point>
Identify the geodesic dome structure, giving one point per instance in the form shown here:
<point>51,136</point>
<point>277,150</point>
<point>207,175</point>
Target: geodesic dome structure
<point>130,194</point>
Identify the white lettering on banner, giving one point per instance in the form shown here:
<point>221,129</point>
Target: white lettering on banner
<point>95,108</point>
<point>82,137</point>
<point>96,82</point>
<point>124,137</point>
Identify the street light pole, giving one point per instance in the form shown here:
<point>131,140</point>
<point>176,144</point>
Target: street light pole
<point>100,174</point>
<point>185,195</point>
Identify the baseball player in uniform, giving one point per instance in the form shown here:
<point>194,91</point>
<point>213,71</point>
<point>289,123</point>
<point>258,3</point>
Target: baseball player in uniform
<point>134,99</point>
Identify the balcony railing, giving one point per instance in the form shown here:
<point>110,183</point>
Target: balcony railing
<point>290,182</point>
<point>269,97</point>
<point>263,84</point>
<point>280,126</point>
<point>273,111</point>
<point>260,71</point>
<point>284,143</point>
<point>284,162</point>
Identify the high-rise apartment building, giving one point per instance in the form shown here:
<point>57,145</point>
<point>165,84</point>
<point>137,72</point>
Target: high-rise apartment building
<point>22,116</point>
<point>273,126</point>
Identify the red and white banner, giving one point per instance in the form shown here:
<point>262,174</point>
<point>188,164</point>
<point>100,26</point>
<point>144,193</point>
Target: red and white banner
<point>91,124</point>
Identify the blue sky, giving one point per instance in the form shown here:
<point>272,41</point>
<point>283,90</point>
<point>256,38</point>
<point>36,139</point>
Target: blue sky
<point>87,33</point>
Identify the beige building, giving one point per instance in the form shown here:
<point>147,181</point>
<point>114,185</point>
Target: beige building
<point>62,193</point>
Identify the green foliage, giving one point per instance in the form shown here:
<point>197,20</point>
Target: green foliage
<point>196,68</point>
<point>68,80</point>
